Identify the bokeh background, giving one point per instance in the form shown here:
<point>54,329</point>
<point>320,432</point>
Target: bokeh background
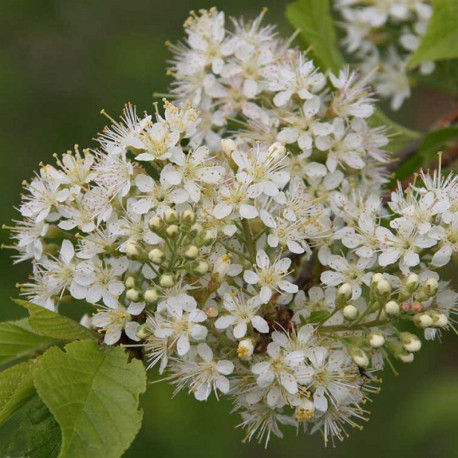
<point>61,62</point>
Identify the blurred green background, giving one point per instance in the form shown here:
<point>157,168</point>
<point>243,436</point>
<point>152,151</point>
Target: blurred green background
<point>61,62</point>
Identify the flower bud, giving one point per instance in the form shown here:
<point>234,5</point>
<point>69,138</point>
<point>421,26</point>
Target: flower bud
<point>167,280</point>
<point>188,217</point>
<point>156,224</point>
<point>305,410</point>
<point>376,278</point>
<point>170,216</point>
<point>440,320</point>
<point>132,249</point>
<point>430,287</point>
<point>172,231</point>
<point>191,252</point>
<point>151,295</point>
<point>350,312</point>
<point>376,339</point>
<point>156,256</point>
<point>200,268</point>
<point>410,341</point>
<point>196,228</point>
<point>134,295</point>
<point>411,282</point>
<point>344,293</point>
<point>359,356</point>
<point>130,282</point>
<point>423,320</point>
<point>245,349</point>
<point>405,357</point>
<point>383,288</point>
<point>142,332</point>
<point>392,309</point>
<point>228,146</point>
<point>208,238</point>
<point>211,311</point>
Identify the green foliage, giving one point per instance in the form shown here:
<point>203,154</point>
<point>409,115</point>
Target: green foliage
<point>16,388</point>
<point>38,434</point>
<point>94,396</point>
<point>440,41</point>
<point>18,340</point>
<point>427,152</point>
<point>54,325</point>
<point>314,19</point>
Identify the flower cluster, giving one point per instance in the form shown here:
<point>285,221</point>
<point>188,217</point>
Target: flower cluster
<point>257,262</point>
<point>382,36</point>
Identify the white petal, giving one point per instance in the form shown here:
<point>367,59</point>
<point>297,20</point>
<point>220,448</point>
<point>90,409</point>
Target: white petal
<point>260,324</point>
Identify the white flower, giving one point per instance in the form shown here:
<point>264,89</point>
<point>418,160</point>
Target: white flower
<point>188,177</point>
<point>405,244</point>
<point>181,323</point>
<point>241,312</point>
<point>283,372</point>
<point>114,321</point>
<point>295,76</point>
<point>270,277</point>
<point>203,374</point>
<point>351,271</point>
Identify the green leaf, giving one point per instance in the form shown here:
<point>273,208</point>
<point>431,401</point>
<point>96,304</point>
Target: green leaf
<point>16,388</point>
<point>440,41</point>
<point>18,340</point>
<point>400,136</point>
<point>314,19</point>
<point>431,144</point>
<point>38,434</point>
<point>55,325</point>
<point>94,396</point>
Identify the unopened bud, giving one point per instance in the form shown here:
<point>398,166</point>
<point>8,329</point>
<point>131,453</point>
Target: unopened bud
<point>200,268</point>
<point>376,278</point>
<point>410,341</point>
<point>196,228</point>
<point>211,311</point>
<point>423,320</point>
<point>167,280</point>
<point>191,252</point>
<point>405,357</point>
<point>383,288</point>
<point>440,320</point>
<point>208,237</point>
<point>344,293</point>
<point>411,282</point>
<point>156,224</point>
<point>392,309</point>
<point>431,286</point>
<point>359,356</point>
<point>245,349</point>
<point>133,295</point>
<point>376,339</point>
<point>172,231</point>
<point>170,216</point>
<point>350,312</point>
<point>228,146</point>
<point>188,216</point>
<point>132,250</point>
<point>156,256</point>
<point>305,411</point>
<point>130,282</point>
<point>151,295</point>
<point>142,332</point>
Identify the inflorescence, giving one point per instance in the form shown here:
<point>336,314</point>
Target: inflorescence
<point>240,238</point>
